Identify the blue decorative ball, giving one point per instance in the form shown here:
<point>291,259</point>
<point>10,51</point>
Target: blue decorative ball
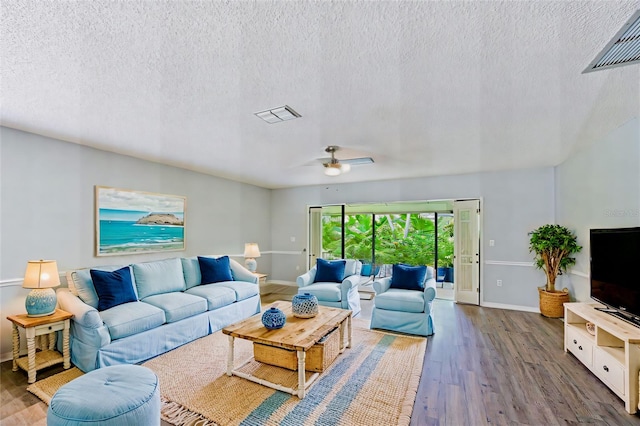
<point>273,318</point>
<point>304,305</point>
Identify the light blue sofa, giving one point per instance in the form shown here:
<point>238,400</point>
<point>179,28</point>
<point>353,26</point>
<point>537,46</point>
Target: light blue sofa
<point>172,308</point>
<point>338,295</point>
<point>406,311</point>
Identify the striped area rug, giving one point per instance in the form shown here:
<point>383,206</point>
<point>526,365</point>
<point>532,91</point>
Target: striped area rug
<point>373,383</point>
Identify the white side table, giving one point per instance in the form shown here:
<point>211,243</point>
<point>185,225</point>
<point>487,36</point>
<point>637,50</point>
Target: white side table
<point>38,326</point>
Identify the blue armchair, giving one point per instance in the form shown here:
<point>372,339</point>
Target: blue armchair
<point>343,294</point>
<point>403,310</point>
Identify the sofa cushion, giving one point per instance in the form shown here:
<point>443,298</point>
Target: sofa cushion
<point>217,296</point>
<point>243,289</point>
<point>326,292</point>
<point>176,305</point>
<point>157,277</point>
<point>329,271</point>
<point>81,284</point>
<point>113,288</point>
<point>131,318</point>
<point>400,300</point>
<point>352,267</point>
<point>215,270</point>
<point>408,277</point>
<point>191,271</point>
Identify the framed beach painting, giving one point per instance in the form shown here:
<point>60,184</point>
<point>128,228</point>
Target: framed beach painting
<point>134,222</point>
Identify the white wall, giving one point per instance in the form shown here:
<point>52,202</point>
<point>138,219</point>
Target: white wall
<point>513,202</point>
<point>599,187</point>
<point>47,210</point>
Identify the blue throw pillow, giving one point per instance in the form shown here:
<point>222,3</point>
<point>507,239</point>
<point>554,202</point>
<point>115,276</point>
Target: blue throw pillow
<point>329,271</point>
<point>366,270</point>
<point>408,277</point>
<point>113,288</point>
<point>215,270</point>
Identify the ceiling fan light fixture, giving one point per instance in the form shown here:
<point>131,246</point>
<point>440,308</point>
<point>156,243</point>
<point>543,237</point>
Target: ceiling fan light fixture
<point>332,169</point>
<point>345,168</point>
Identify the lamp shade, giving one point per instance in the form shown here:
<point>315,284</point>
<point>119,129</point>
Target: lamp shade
<point>251,250</point>
<point>41,274</point>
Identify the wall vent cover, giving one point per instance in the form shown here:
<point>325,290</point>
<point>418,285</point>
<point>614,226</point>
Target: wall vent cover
<point>623,49</point>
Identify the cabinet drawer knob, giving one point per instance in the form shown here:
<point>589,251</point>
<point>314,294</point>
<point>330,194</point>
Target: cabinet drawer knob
<point>605,368</point>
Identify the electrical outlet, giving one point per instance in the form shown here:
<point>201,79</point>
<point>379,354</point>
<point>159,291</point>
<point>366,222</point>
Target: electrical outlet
<point>292,239</point>
<point>492,243</point>
<point>499,283</point>
<point>297,267</point>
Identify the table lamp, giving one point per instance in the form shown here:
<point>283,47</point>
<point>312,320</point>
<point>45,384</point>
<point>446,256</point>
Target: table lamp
<point>41,276</point>
<point>251,251</point>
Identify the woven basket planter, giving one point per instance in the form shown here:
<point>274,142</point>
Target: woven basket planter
<point>552,303</point>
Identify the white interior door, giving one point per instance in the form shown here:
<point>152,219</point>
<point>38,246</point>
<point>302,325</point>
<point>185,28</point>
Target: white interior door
<point>315,235</point>
<point>466,250</point>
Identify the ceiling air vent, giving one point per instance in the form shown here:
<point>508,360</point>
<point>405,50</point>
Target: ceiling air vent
<point>623,49</point>
<point>277,115</point>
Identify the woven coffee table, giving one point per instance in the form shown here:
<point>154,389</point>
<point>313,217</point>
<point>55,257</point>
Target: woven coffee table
<point>298,334</point>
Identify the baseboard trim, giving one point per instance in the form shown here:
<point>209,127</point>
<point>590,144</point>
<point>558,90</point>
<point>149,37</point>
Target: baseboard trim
<point>510,307</point>
<point>7,356</point>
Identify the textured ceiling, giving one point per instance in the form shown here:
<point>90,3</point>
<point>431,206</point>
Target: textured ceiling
<point>425,88</point>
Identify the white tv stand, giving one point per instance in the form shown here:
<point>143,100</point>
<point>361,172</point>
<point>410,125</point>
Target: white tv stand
<point>613,354</point>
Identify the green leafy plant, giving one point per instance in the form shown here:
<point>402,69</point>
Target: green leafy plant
<point>407,238</point>
<point>553,246</point>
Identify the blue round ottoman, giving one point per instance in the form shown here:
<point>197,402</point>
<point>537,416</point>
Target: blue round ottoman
<point>111,396</point>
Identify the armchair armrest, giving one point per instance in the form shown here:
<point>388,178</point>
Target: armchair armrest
<point>83,314</point>
<point>381,285</point>
<point>429,290</point>
<point>350,282</point>
<point>306,278</point>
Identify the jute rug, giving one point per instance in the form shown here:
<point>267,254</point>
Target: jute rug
<point>374,382</point>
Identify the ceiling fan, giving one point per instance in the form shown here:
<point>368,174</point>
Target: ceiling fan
<point>335,167</point>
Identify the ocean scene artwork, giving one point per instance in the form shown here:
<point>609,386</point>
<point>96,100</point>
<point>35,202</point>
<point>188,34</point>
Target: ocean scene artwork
<point>130,222</point>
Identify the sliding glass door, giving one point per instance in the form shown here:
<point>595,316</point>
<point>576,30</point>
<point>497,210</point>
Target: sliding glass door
<point>382,234</point>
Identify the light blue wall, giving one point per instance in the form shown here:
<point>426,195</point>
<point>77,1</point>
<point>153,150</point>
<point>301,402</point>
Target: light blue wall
<point>47,210</point>
<point>514,203</point>
<point>599,187</point>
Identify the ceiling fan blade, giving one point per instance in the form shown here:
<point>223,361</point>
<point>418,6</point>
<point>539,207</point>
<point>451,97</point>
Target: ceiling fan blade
<point>357,161</point>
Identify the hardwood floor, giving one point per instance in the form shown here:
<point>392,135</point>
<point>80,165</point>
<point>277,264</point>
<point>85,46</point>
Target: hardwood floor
<point>493,366</point>
<point>482,366</point>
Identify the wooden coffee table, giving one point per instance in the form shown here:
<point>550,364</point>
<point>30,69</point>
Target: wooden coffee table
<point>298,334</point>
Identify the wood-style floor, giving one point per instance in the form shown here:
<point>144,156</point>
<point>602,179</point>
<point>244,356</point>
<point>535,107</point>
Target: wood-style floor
<point>482,366</point>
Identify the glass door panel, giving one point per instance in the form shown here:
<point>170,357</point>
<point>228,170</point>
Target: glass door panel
<point>404,238</point>
<point>331,232</point>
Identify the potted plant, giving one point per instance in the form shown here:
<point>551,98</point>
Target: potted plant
<point>553,246</point>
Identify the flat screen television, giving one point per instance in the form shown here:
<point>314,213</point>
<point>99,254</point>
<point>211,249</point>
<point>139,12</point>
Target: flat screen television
<point>615,271</point>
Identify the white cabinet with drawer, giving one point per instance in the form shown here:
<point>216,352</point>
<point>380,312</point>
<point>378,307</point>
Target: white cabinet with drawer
<point>580,345</point>
<point>609,370</point>
<point>612,353</point>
